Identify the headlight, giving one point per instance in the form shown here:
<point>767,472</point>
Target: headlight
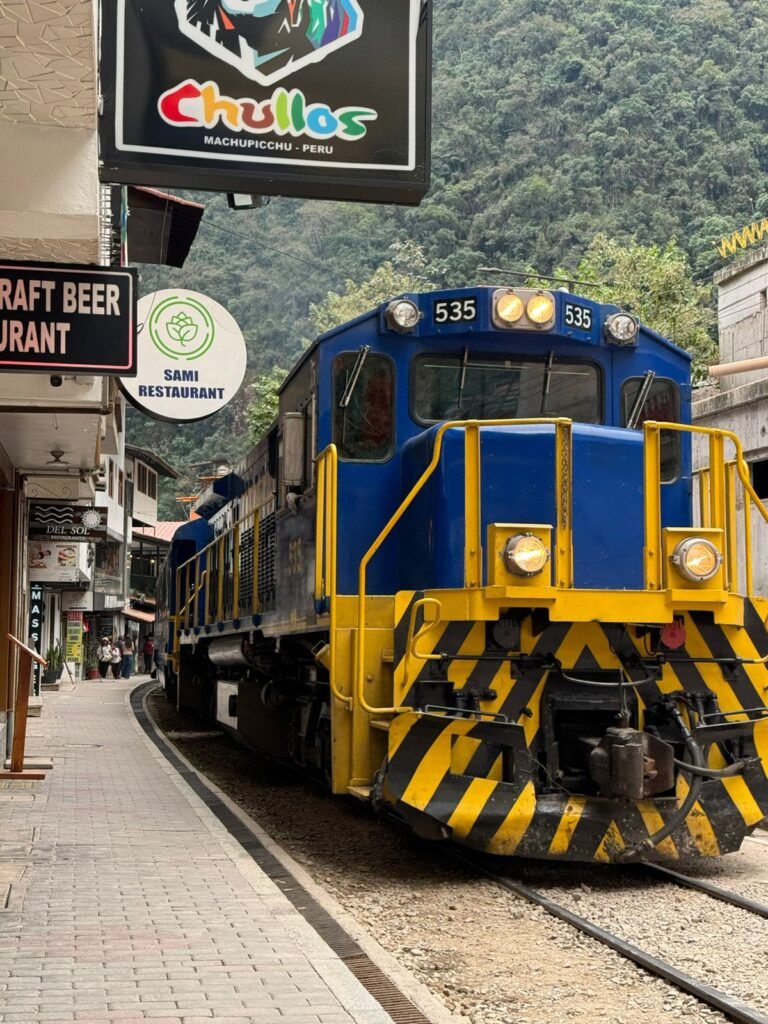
<point>622,328</point>
<point>402,315</point>
<point>525,555</point>
<point>540,309</point>
<point>509,307</point>
<point>696,559</point>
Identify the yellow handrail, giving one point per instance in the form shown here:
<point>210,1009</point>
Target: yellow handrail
<point>320,527</point>
<point>395,518</point>
<point>326,548</point>
<point>717,505</point>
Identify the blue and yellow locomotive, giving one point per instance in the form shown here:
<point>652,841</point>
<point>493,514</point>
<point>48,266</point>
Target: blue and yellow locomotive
<point>471,575</point>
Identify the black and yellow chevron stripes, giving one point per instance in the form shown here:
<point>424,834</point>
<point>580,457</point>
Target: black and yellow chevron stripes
<point>482,778</point>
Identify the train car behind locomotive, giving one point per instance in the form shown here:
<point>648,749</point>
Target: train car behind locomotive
<point>470,575</point>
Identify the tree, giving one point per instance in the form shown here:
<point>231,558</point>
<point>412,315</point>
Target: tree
<point>655,283</point>
<point>262,411</point>
<point>405,271</point>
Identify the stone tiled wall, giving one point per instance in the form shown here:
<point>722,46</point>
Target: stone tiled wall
<point>47,62</point>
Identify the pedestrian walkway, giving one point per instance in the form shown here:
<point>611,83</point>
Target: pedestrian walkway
<point>128,901</point>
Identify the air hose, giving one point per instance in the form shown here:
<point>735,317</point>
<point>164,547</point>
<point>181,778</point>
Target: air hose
<point>737,768</point>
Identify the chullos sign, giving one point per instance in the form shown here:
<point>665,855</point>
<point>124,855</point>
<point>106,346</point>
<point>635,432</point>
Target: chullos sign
<point>59,318</point>
<point>318,98</point>
<point>72,523</point>
<point>192,356</point>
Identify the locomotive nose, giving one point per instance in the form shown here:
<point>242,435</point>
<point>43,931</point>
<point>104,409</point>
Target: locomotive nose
<point>518,484</point>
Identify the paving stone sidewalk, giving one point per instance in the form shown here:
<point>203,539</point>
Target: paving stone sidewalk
<point>127,901</point>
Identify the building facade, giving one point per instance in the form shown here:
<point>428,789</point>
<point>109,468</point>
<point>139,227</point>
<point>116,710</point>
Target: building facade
<point>740,403</point>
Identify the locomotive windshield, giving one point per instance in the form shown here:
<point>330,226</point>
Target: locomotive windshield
<point>473,387</point>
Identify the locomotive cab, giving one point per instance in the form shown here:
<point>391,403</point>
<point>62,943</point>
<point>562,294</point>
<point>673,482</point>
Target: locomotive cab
<point>471,575</point>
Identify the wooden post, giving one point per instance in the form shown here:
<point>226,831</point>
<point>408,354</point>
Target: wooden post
<point>26,657</point>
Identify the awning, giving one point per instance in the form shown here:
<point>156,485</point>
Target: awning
<point>161,227</point>
<point>134,613</point>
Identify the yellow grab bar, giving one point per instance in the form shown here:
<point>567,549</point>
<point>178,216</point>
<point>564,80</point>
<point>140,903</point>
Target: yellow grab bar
<point>424,629</point>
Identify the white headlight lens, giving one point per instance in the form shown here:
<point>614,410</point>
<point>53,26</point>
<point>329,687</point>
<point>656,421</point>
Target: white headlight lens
<point>696,559</point>
<point>540,309</point>
<point>622,328</point>
<point>509,308</point>
<point>402,314</point>
<point>525,555</point>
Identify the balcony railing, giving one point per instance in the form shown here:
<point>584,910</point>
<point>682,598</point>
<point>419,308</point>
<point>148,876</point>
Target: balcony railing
<point>140,583</point>
<point>106,583</point>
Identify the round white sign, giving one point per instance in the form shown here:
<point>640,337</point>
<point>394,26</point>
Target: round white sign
<point>191,356</point>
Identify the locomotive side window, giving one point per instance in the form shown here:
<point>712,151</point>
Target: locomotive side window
<point>363,406</point>
<point>472,387</point>
<point>662,403</point>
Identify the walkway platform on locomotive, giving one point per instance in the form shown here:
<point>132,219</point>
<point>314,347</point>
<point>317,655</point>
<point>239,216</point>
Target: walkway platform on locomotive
<point>127,900</point>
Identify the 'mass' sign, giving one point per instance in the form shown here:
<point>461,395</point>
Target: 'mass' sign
<point>67,318</point>
<point>192,356</point>
<point>318,98</point>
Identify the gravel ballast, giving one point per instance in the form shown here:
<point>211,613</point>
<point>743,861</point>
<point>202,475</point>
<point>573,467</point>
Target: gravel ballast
<point>488,956</point>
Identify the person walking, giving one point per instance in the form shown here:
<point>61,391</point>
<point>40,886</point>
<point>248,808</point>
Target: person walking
<point>115,661</point>
<point>128,649</point>
<point>148,650</point>
<point>105,656</point>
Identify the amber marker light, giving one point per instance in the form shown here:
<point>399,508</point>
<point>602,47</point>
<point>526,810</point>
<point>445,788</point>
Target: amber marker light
<point>509,308</point>
<point>540,309</point>
<point>525,555</point>
<point>696,559</point>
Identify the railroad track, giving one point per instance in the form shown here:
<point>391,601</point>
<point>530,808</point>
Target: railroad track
<point>732,1007</point>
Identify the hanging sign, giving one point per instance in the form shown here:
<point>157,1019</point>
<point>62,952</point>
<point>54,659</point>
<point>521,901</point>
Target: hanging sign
<point>50,562</point>
<point>317,98</point>
<point>58,318</point>
<point>74,640</point>
<point>35,632</point>
<point>73,523</point>
<point>192,356</point>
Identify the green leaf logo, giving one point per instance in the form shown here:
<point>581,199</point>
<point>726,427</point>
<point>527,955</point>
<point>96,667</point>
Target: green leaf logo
<point>181,328</point>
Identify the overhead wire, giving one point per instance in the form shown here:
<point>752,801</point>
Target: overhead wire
<point>263,245</point>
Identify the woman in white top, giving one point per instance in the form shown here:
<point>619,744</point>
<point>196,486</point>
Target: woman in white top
<point>116,659</point>
<point>105,656</point>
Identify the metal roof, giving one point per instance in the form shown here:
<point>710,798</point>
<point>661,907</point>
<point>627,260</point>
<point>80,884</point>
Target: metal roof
<point>156,462</point>
<point>160,531</point>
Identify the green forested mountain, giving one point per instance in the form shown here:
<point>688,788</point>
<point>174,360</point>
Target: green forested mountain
<point>554,120</point>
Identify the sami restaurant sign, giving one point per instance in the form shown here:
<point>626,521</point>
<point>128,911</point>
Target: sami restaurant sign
<point>318,98</point>
<point>62,318</point>
<point>192,356</point>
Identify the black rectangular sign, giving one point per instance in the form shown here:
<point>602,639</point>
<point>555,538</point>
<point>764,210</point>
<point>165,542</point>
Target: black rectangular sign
<point>35,631</point>
<point>57,318</point>
<point>316,98</point>
<point>77,524</point>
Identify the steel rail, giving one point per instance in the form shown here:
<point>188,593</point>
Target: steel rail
<point>732,1007</point>
<point>734,899</point>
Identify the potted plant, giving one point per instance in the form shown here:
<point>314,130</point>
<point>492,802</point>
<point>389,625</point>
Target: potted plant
<point>55,658</point>
<point>92,660</point>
